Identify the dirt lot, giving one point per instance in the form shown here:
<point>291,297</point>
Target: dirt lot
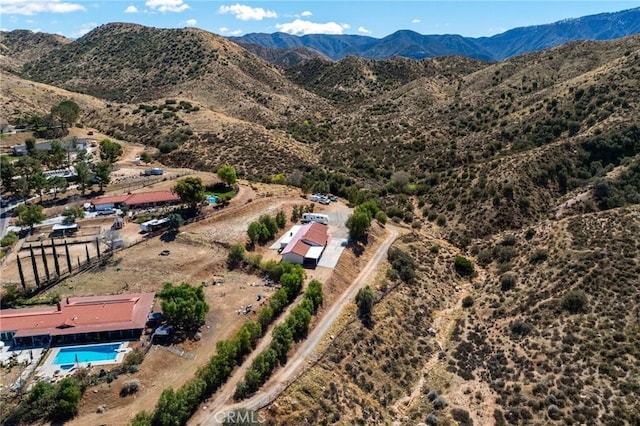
<point>197,254</point>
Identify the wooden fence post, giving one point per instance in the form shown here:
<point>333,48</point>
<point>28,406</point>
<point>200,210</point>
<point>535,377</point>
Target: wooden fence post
<point>44,260</point>
<point>35,266</point>
<point>56,264</point>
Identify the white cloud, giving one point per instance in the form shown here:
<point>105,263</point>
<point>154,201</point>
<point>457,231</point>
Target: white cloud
<point>236,32</point>
<point>306,13</point>
<point>164,6</point>
<point>416,21</point>
<point>191,22</point>
<point>247,13</point>
<point>84,28</point>
<point>223,29</point>
<point>363,30</point>
<point>299,26</point>
<point>30,7</point>
<point>131,9</point>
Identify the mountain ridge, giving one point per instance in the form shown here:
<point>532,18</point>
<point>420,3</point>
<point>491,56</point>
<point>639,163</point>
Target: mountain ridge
<point>603,26</point>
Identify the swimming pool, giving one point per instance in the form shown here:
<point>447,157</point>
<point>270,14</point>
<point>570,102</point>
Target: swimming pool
<point>212,199</point>
<point>88,353</point>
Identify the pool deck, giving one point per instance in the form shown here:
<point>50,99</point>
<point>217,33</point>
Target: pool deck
<point>50,371</point>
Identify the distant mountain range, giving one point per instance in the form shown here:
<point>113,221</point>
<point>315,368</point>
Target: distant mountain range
<point>409,44</point>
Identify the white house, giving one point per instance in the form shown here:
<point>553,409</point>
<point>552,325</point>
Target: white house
<point>306,245</point>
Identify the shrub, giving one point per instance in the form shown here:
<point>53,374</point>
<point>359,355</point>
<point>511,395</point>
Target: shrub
<point>463,266</point>
<point>485,257</point>
<point>507,281</point>
<point>461,416</point>
<point>441,220</point>
<point>432,419</point>
<point>134,357</point>
<point>9,239</point>
<point>539,256</point>
<point>467,302</point>
<point>439,403</point>
<point>575,301</point>
<point>554,412</point>
<point>509,240</point>
<point>129,388</point>
<point>381,217</point>
<point>236,256</point>
<point>520,327</point>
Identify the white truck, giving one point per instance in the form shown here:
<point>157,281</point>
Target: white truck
<point>315,217</point>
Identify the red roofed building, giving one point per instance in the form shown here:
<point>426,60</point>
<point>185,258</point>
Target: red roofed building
<point>307,245</point>
<point>140,200</point>
<point>78,319</point>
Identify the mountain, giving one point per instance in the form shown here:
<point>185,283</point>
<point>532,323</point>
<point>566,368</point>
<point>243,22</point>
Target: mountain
<point>283,57</point>
<point>605,26</point>
<point>528,167</point>
<point>331,46</point>
<point>22,46</point>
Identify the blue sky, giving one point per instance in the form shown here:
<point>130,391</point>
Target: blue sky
<point>74,18</point>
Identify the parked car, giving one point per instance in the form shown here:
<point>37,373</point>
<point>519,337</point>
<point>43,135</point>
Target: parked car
<point>324,200</point>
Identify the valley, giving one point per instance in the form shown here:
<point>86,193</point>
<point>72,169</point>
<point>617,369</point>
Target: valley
<point>502,256</point>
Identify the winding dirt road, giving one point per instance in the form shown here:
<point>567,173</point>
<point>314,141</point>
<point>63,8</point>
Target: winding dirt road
<point>214,413</point>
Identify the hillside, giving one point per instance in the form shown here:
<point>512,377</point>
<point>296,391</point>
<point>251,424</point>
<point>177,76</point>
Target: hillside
<point>283,57</point>
<point>21,46</point>
<point>529,166</point>
<point>107,63</point>
<point>409,44</point>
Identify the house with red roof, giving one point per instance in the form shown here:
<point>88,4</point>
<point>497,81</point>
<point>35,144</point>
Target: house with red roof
<point>77,320</point>
<point>306,246</point>
<point>138,201</point>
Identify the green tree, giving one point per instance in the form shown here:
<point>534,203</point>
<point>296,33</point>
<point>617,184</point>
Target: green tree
<point>110,151</point>
<point>236,256</point>
<point>71,214</point>
<point>281,341</point>
<point>58,184</point>
<point>271,225</point>
<point>143,418</point>
<point>83,176</point>
<point>67,398</point>
<point>464,266</point>
<point>103,173</point>
<point>146,157</point>
<point>7,173</point>
<point>381,217</point>
<point>30,214</point>
<point>227,174</point>
<point>30,144</point>
<point>27,167</point>
<point>365,299</point>
<point>56,156</point>
<point>281,219</point>
<point>358,225</point>
<point>184,305</point>
<point>191,191</point>
<point>315,294</point>
<point>175,221</point>
<point>67,112</point>
<point>257,232</point>
<point>39,183</point>
<point>575,301</point>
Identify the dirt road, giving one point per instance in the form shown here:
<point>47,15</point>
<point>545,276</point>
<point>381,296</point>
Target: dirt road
<point>305,352</point>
